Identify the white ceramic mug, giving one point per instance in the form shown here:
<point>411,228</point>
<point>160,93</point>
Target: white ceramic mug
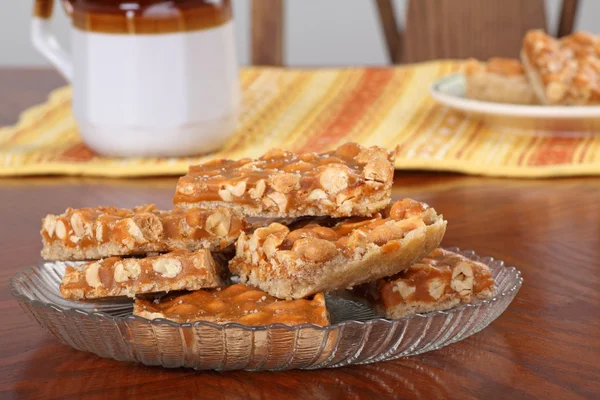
<point>149,77</point>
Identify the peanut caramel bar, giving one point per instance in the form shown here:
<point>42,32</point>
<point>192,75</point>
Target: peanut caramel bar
<point>238,303</point>
<point>116,276</point>
<point>563,71</point>
<point>315,258</point>
<point>350,181</point>
<point>440,281</point>
<point>500,80</point>
<point>93,233</point>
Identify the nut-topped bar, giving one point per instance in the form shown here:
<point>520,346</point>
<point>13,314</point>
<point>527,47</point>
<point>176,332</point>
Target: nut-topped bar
<point>501,80</point>
<point>237,303</point>
<point>563,71</point>
<point>350,181</point>
<point>440,281</point>
<point>93,233</point>
<point>315,258</point>
<point>115,276</point>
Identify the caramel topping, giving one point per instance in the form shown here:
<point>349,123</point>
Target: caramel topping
<point>117,276</point>
<point>280,181</point>
<point>436,278</point>
<point>237,303</point>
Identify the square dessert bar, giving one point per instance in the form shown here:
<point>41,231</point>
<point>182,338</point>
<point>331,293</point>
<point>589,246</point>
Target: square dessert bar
<point>563,71</point>
<point>238,303</point>
<point>93,233</point>
<point>115,276</point>
<point>440,281</point>
<point>500,80</point>
<point>350,181</point>
<point>316,258</point>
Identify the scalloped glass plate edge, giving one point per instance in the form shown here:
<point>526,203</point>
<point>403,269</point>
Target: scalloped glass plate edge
<point>106,330</point>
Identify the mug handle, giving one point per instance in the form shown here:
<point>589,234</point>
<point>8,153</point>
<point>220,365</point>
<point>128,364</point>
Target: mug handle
<point>45,42</point>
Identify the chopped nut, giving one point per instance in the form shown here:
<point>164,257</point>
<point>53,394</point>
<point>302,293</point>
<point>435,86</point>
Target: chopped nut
<point>276,199</point>
<point>219,222</point>
<point>225,195</point>
<point>61,230</point>
<point>348,150</point>
<point>324,232</point>
<point>285,183</point>
<point>406,208</point>
<point>378,170</point>
<point>134,231</point>
<point>50,224</point>
<point>334,179</point>
<point>167,267</point>
<point>92,275</point>
<point>357,239</point>
<point>273,229</point>
<point>436,288</point>
<point>187,189</point>
<point>272,242</point>
<point>462,279</point>
<point>404,289</point>
<point>383,233</point>
<point>317,194</point>
<point>314,249</point>
<point>370,153</point>
<point>149,225</point>
<point>77,225</point>
<point>258,190</point>
<point>239,245</point>
<point>238,189</point>
<point>127,269</point>
<point>99,232</point>
<point>203,260</point>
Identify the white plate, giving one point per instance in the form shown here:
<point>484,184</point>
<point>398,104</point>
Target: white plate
<point>516,118</point>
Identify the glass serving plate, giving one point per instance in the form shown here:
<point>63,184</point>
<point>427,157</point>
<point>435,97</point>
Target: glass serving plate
<point>355,336</point>
<point>518,119</point>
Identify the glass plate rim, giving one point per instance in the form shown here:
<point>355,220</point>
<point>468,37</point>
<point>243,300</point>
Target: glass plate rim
<point>438,91</point>
<point>472,255</point>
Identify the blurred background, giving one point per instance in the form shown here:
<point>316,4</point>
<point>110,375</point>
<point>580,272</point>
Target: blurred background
<point>312,39</point>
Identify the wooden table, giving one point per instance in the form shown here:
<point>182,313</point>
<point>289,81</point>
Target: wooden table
<point>546,345</point>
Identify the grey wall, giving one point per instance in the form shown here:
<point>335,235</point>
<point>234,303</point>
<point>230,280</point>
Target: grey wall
<point>329,41</point>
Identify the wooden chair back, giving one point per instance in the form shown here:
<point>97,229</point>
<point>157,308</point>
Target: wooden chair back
<point>434,28</point>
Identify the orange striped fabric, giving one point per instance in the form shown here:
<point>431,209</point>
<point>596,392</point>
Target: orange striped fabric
<point>317,110</point>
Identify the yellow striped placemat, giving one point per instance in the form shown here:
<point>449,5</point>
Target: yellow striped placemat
<point>317,110</point>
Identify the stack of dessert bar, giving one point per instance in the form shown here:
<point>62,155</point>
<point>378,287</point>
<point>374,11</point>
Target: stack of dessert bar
<point>320,223</point>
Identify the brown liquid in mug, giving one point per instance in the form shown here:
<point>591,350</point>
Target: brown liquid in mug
<point>141,16</point>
